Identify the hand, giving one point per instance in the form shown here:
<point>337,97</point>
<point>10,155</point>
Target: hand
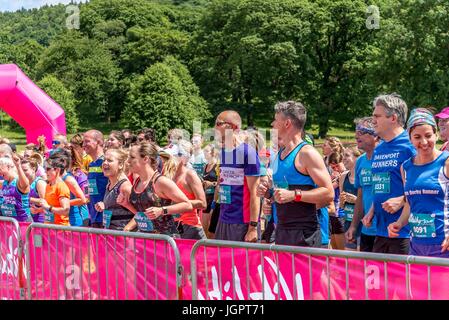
<point>392,205</point>
<point>262,188</point>
<point>208,184</point>
<point>350,234</point>
<point>393,229</point>
<point>251,235</point>
<point>445,244</point>
<point>350,198</point>
<point>99,206</point>
<point>35,209</point>
<point>284,195</point>
<point>154,212</point>
<point>16,160</point>
<point>368,219</point>
<point>266,207</point>
<point>43,203</point>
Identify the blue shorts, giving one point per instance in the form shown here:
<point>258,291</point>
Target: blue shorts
<point>427,250</point>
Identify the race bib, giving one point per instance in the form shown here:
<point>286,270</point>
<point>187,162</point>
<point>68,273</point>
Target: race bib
<point>365,177</point>
<point>225,194</point>
<point>8,210</point>
<point>49,217</point>
<point>232,176</point>
<point>143,223</point>
<point>93,189</point>
<point>199,168</point>
<point>349,211</point>
<point>107,214</point>
<point>381,182</point>
<point>422,225</point>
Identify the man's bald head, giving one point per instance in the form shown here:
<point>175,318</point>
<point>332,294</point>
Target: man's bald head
<point>93,143</point>
<point>231,117</point>
<point>94,134</point>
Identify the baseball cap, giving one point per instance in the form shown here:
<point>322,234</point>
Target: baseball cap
<point>444,114</point>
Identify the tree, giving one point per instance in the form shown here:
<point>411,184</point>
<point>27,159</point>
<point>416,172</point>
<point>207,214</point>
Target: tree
<point>87,68</point>
<point>162,98</point>
<point>64,97</point>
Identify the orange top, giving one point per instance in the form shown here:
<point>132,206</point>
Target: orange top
<point>52,195</point>
<point>190,218</point>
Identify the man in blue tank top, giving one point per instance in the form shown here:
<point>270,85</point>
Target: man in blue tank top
<point>93,145</point>
<point>367,140</point>
<point>300,180</point>
<point>389,116</point>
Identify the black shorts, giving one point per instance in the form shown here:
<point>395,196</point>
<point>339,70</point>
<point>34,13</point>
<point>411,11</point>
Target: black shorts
<point>391,245</point>
<point>231,231</point>
<point>337,224</point>
<point>366,243</point>
<point>191,232</point>
<point>209,199</point>
<point>214,218</point>
<point>295,237</point>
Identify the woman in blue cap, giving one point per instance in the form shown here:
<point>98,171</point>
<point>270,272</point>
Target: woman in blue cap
<point>426,181</point>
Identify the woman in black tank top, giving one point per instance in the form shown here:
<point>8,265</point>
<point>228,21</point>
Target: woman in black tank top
<point>116,216</point>
<point>156,196</point>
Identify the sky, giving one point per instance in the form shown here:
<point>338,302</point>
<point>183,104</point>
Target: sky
<point>13,5</point>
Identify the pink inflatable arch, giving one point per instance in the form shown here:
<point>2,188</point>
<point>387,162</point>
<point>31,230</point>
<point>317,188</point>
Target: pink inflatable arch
<point>29,106</point>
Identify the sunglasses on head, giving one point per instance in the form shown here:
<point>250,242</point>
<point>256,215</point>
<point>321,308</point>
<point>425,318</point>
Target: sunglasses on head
<point>364,130</point>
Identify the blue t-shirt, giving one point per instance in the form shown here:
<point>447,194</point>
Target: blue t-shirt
<point>387,181</point>
<point>235,165</point>
<point>426,188</point>
<point>97,188</point>
<point>363,180</point>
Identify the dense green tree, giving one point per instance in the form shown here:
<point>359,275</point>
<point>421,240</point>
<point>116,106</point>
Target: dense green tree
<point>163,98</point>
<point>87,68</point>
<point>64,97</point>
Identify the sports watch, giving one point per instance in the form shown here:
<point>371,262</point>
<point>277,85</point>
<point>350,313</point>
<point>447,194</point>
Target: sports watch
<point>253,223</point>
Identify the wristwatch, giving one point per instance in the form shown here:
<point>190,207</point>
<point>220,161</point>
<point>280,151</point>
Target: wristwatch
<point>164,211</point>
<point>298,195</point>
<point>253,223</point>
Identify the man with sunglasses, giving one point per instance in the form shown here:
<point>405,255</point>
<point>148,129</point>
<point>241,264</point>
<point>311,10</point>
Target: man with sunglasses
<point>238,180</point>
<point>59,142</point>
<point>367,140</point>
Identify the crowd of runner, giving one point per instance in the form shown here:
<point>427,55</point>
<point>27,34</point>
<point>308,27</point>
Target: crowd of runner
<point>386,193</point>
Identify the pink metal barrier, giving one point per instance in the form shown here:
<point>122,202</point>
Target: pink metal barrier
<point>12,282</point>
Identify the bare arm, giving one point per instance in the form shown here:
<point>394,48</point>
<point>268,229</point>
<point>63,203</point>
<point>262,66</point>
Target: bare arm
<point>74,188</point>
<point>41,185</point>
<point>197,188</point>
<point>253,182</point>
<point>167,189</point>
<point>23,183</point>
<point>314,166</point>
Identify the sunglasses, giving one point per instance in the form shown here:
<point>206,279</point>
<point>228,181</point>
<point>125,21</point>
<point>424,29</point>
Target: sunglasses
<point>221,123</point>
<point>55,142</point>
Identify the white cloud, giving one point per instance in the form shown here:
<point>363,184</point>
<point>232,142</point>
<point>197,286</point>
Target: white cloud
<point>13,5</point>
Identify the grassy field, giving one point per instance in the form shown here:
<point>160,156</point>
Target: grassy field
<point>17,136</point>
